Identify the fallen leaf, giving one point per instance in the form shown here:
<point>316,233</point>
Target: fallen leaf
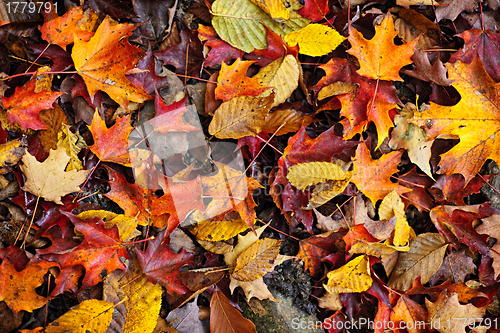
<point>424,259</point>
<point>48,179</point>
<point>449,316</point>
<point>256,260</point>
<point>232,81</point>
<point>24,106</point>
<point>225,318</point>
<point>315,39</point>
<point>103,61</point>
<point>91,316</point>
<point>353,277</point>
<point>379,58</point>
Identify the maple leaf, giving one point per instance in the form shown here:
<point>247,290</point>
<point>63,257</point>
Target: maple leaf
<point>478,130</point>
<point>364,104</point>
<point>103,61</point>
<point>110,145</point>
<point>220,51</point>
<point>160,264</point>
<point>379,58</point>
<point>372,177</point>
<point>17,289</point>
<point>232,81</point>
<point>302,149</point>
<point>178,200</point>
<point>486,45</point>
<point>48,179</point>
<point>101,251</point>
<point>61,30</point>
<point>447,307</point>
<point>148,80</point>
<point>277,48</point>
<point>316,10</point>
<point>25,105</point>
<point>409,312</point>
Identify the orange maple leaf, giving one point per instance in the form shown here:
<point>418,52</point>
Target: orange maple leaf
<point>379,58</point>
<point>478,130</point>
<point>110,145</point>
<point>103,62</point>
<point>232,81</point>
<point>25,105</point>
<point>61,30</point>
<point>372,177</point>
<point>17,289</point>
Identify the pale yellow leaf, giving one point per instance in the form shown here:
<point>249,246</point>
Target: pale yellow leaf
<point>48,179</point>
<point>391,206</point>
<point>315,39</point>
<point>244,242</point>
<point>353,277</point>
<point>380,250</point>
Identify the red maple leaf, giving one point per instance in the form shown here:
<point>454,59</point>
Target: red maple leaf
<point>160,264</point>
<point>24,106</point>
<point>101,251</point>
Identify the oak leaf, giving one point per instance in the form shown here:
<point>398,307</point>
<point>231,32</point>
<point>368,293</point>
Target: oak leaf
<point>104,60</point>
<point>25,105</point>
<point>379,58</point>
<point>48,179</point>
<point>478,130</point>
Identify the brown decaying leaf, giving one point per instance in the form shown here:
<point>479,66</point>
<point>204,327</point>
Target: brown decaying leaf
<point>224,318</point>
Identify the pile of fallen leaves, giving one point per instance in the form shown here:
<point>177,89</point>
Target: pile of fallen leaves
<point>158,160</point>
